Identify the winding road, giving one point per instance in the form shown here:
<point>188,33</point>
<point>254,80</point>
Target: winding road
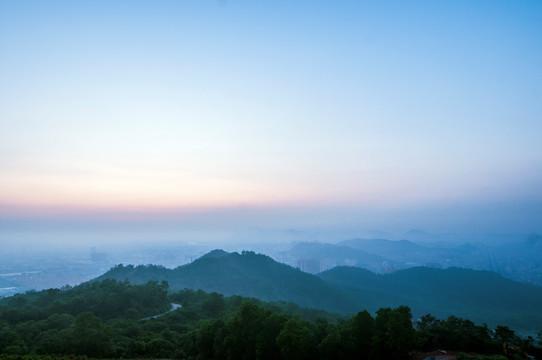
<point>173,308</point>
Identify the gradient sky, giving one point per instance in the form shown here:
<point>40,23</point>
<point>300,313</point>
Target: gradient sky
<point>402,113</point>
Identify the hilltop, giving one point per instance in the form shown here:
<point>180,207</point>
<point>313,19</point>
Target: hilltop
<point>246,274</point>
<point>482,296</point>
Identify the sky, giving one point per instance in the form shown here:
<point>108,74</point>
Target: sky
<point>177,115</point>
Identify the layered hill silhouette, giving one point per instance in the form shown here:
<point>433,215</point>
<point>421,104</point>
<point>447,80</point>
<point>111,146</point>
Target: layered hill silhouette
<point>247,274</point>
<point>481,296</point>
<point>339,255</point>
<point>382,255</point>
<point>517,260</point>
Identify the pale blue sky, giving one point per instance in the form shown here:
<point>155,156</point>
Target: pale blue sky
<point>161,107</point>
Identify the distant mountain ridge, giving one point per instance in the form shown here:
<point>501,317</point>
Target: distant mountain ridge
<point>337,255</point>
<point>481,296</point>
<point>518,260</point>
<point>382,246</point>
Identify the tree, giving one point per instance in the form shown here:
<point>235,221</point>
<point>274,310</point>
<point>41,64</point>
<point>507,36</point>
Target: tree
<point>214,304</point>
<point>394,333</point>
<point>504,334</point>
<point>360,334</point>
<point>400,332</point>
<point>205,337</point>
<point>379,348</point>
<point>91,337</point>
<point>10,342</point>
<point>295,341</point>
<point>271,326</point>
<point>429,334</point>
<point>52,342</point>
<point>242,332</point>
<point>331,347</point>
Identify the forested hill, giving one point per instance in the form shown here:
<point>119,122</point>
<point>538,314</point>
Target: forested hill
<point>246,274</point>
<point>102,320</point>
<point>478,295</point>
<point>106,299</point>
<point>481,296</point>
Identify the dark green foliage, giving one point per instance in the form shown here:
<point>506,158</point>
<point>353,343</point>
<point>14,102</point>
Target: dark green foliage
<point>399,333</point>
<point>256,333</point>
<point>71,320</point>
<point>90,336</point>
<point>359,335</point>
<point>454,334</point>
<point>106,320</point>
<point>296,341</point>
<point>214,304</point>
<point>106,299</point>
<point>243,333</point>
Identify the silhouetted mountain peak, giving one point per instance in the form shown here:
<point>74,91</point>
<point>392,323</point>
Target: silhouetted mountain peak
<point>215,254</point>
<point>246,274</point>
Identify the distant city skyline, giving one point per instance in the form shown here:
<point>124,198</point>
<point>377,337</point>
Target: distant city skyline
<point>251,114</point>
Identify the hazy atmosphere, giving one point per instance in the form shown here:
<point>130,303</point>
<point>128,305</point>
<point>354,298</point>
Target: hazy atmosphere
<point>201,120</point>
<point>268,179</point>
